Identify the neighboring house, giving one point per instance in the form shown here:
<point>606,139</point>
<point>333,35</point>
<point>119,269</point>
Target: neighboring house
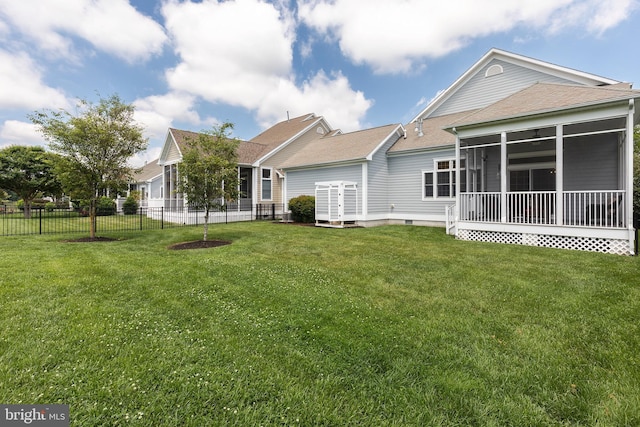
<point>258,161</point>
<point>545,156</point>
<point>148,182</point>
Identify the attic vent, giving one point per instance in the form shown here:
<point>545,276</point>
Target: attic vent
<point>494,70</point>
<point>320,130</point>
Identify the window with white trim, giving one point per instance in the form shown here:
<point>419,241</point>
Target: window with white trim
<point>266,183</point>
<point>441,181</point>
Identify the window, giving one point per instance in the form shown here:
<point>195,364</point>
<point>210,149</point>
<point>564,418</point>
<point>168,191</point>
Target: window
<point>442,182</point>
<point>266,183</point>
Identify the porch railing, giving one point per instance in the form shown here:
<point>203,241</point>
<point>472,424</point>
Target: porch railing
<point>580,208</point>
<point>595,208</point>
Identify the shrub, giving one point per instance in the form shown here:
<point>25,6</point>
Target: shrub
<point>130,206</point>
<point>105,206</point>
<point>303,208</point>
<point>35,204</point>
<point>49,207</point>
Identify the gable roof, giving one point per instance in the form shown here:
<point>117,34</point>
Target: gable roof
<point>248,152</point>
<point>542,98</point>
<point>281,134</point>
<point>149,171</point>
<point>576,76</point>
<point>346,147</point>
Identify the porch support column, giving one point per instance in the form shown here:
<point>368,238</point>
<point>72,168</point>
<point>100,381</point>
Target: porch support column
<point>559,175</point>
<point>629,175</point>
<point>503,177</point>
<point>456,209</point>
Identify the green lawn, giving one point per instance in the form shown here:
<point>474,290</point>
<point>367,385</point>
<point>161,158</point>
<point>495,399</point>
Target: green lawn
<point>293,325</point>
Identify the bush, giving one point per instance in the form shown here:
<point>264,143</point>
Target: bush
<point>105,206</point>
<point>49,207</point>
<point>303,209</point>
<point>35,204</point>
<point>130,206</point>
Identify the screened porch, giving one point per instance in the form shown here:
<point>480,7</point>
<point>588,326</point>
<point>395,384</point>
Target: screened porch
<point>563,175</point>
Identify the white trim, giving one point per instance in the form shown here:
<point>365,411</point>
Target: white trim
<point>531,63</point>
<point>270,179</point>
<point>277,149</point>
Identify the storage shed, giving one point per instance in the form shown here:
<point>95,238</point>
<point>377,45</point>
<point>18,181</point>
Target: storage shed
<point>336,203</point>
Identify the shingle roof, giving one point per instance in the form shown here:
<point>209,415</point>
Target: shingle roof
<point>546,97</point>
<point>283,131</point>
<point>148,171</point>
<point>340,148</point>
<point>248,152</point>
<point>434,133</point>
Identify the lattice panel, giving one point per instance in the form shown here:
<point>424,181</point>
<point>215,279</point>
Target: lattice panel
<point>592,244</point>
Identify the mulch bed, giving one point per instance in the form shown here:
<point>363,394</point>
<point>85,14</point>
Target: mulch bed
<point>199,244</point>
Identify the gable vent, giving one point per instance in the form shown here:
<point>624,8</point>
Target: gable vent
<point>494,70</point>
<point>320,130</point>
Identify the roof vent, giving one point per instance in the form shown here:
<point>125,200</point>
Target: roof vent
<point>494,70</point>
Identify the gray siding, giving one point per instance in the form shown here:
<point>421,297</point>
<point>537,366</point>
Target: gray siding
<point>303,182</point>
<point>481,91</point>
<point>378,178</point>
<point>405,184</point>
<point>591,163</point>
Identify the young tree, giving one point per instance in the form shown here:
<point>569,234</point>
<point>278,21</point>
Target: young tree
<point>29,172</point>
<point>95,144</point>
<point>208,173</point>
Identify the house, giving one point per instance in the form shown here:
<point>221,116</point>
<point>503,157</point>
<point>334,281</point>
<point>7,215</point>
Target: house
<point>516,150</point>
<point>261,181</point>
<point>148,181</point>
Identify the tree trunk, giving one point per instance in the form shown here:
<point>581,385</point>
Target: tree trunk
<point>206,223</point>
<point>27,209</point>
<point>92,219</point>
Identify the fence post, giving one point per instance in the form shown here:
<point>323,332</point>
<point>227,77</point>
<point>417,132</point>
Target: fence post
<point>273,211</point>
<point>40,219</point>
<point>140,217</point>
<point>162,217</point>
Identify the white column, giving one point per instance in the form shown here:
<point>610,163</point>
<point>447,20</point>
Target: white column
<point>559,175</point>
<point>456,213</point>
<point>503,177</point>
<point>629,175</point>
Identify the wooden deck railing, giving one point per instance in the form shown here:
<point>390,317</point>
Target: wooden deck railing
<point>580,208</point>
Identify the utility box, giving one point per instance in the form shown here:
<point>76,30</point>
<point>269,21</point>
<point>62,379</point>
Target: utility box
<point>336,203</point>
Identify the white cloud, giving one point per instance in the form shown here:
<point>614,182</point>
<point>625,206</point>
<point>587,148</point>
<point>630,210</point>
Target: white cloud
<point>397,37</point>
<point>21,85</point>
<point>240,53</point>
<point>113,26</point>
<point>332,98</point>
<point>157,113</point>
<point>14,132</point>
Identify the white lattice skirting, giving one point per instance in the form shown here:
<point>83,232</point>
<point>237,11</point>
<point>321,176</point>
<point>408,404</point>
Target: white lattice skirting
<point>592,244</point>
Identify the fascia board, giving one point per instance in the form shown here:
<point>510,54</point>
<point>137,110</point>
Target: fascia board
<point>369,157</point>
<point>534,64</point>
<point>288,141</point>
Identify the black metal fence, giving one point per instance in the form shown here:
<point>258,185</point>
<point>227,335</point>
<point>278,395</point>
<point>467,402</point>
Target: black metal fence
<point>59,221</point>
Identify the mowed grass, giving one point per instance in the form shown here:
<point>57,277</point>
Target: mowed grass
<point>291,325</point>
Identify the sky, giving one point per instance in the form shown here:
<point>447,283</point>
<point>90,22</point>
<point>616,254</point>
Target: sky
<point>358,63</point>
